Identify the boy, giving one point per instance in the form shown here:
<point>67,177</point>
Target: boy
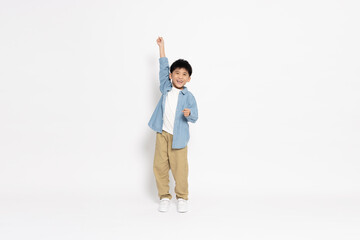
<point>176,107</point>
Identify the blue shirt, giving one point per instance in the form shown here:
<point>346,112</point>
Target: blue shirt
<point>181,133</point>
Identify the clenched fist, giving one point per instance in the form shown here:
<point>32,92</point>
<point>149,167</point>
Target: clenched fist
<point>160,41</point>
<point>186,112</point>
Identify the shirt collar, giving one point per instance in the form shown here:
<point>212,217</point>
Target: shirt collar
<point>184,91</point>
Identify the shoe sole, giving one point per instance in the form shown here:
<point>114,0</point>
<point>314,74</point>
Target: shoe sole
<point>163,210</point>
<point>183,211</point>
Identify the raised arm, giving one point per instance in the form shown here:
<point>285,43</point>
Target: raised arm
<point>160,42</point>
<point>165,81</point>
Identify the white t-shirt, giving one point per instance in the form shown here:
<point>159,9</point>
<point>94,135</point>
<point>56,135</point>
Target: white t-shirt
<point>170,109</point>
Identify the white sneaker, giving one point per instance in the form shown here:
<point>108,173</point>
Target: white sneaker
<point>182,205</point>
<point>164,205</point>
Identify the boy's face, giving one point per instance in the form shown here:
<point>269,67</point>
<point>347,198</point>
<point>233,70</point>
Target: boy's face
<point>179,77</point>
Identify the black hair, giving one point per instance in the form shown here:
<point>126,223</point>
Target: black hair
<point>181,63</point>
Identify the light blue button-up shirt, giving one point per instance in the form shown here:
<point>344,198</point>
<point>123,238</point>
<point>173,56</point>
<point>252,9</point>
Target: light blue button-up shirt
<point>181,133</point>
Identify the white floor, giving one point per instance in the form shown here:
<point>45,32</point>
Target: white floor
<point>290,217</point>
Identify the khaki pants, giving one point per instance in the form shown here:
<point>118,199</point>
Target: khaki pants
<point>165,159</point>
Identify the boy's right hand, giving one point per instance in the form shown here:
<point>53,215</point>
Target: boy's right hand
<point>160,42</point>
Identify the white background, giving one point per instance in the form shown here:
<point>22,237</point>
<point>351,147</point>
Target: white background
<point>274,153</point>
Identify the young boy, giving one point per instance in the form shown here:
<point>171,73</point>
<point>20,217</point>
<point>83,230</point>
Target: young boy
<point>176,107</point>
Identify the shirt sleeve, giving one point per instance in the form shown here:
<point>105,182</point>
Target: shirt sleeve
<point>193,110</point>
<point>165,81</point>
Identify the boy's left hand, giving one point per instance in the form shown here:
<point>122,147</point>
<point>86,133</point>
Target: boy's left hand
<point>186,112</point>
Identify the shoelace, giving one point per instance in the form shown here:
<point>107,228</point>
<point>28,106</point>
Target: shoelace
<point>181,201</point>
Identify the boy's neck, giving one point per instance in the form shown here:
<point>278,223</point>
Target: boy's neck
<point>179,88</point>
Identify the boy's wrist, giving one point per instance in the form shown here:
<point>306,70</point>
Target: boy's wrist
<point>162,52</point>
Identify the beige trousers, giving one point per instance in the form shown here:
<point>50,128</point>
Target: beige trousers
<point>165,159</point>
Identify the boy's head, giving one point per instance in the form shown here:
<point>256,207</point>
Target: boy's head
<point>180,72</point>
